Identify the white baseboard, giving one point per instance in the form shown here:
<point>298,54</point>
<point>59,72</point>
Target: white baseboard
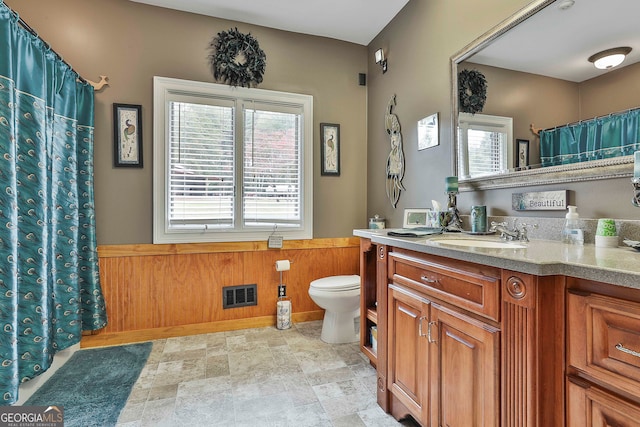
<point>31,386</point>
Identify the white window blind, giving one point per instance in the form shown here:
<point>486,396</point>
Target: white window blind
<point>484,144</point>
<point>201,164</point>
<point>272,167</point>
<point>486,152</point>
<point>230,163</point>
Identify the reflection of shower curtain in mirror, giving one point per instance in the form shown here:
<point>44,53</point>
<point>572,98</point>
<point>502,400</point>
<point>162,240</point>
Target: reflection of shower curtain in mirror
<point>49,283</point>
<point>600,138</point>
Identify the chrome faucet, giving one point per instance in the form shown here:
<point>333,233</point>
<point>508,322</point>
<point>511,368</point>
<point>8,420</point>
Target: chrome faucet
<point>520,233</point>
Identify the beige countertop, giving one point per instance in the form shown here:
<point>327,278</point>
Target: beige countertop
<point>617,266</point>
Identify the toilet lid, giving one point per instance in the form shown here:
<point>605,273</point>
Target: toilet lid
<point>337,283</point>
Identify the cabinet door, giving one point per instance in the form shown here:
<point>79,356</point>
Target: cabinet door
<point>408,358</point>
<point>465,370</point>
<point>589,406</point>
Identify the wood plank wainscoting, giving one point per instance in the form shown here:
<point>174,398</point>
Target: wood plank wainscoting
<point>161,291</point>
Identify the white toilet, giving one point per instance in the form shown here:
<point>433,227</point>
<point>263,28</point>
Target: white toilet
<point>340,298</point>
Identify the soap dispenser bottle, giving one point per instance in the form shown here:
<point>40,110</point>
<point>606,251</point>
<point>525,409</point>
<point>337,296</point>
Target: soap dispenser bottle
<point>572,233</point>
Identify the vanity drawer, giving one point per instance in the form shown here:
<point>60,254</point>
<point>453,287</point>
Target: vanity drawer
<point>470,286</point>
<point>604,339</point>
<point>591,406</point>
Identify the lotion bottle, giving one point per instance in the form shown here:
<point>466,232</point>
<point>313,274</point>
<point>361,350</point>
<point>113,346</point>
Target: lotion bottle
<point>572,233</point>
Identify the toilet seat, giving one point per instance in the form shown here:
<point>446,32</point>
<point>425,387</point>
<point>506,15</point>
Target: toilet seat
<point>337,283</point>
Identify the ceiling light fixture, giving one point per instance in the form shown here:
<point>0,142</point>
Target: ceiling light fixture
<point>609,58</point>
<point>566,4</point>
<point>380,59</point>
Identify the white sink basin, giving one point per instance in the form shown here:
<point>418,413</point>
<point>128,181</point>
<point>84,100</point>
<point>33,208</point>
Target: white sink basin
<point>476,243</point>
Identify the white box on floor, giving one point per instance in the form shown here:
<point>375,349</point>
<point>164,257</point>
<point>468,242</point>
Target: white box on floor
<point>374,339</point>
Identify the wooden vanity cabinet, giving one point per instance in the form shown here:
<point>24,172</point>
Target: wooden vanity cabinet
<point>467,344</point>
<point>603,355</point>
<point>442,363</point>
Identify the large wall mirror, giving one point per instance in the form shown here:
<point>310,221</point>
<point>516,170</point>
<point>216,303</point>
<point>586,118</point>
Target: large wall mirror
<point>537,70</point>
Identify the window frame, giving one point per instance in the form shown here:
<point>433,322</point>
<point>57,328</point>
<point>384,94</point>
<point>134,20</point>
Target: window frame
<point>164,90</point>
<point>487,123</point>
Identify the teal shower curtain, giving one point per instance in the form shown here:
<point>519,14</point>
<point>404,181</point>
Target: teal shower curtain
<point>600,138</point>
<point>49,283</point>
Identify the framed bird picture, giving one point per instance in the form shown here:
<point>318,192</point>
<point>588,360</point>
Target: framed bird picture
<point>127,135</point>
<point>330,149</point>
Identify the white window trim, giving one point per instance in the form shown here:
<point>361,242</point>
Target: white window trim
<point>483,122</point>
<point>162,88</point>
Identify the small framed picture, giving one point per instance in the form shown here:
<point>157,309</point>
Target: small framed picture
<point>415,218</point>
<point>127,135</point>
<point>428,132</point>
<point>522,153</point>
<point>330,149</point>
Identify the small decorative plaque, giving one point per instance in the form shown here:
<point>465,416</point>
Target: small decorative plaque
<point>539,201</point>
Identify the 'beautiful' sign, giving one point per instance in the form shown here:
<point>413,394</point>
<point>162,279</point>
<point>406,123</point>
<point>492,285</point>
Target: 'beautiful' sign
<point>540,201</point>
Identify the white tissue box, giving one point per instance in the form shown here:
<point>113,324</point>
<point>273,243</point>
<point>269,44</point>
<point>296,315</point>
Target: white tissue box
<point>374,339</point>
<point>435,218</point>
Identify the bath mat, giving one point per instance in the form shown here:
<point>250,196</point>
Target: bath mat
<point>93,386</point>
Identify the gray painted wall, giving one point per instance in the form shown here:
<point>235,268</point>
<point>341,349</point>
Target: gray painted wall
<point>132,42</point>
<point>418,44</point>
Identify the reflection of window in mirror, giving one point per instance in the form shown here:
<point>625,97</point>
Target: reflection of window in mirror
<point>484,144</point>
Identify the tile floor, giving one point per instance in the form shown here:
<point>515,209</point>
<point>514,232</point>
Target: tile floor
<point>256,377</point>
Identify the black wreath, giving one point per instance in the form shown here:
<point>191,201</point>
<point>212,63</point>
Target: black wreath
<point>472,91</point>
<point>236,59</point>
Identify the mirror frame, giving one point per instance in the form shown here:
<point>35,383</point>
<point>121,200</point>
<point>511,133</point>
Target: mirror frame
<point>616,167</point>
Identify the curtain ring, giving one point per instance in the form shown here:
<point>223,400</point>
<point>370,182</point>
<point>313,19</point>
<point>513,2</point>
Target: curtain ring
<point>14,15</point>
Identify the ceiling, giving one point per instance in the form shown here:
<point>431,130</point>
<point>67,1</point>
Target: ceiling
<point>557,43</point>
<point>356,21</point>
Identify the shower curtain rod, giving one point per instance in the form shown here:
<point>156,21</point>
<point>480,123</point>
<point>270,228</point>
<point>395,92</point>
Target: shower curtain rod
<point>33,32</point>
<point>537,131</point>
<point>627,110</point>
